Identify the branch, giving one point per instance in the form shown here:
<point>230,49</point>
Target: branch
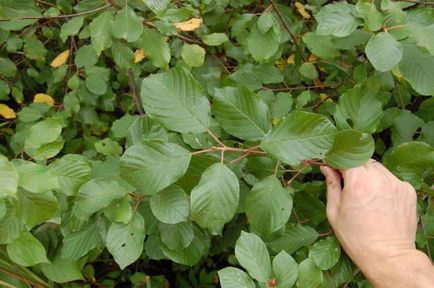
<point>60,16</point>
<point>418,2</point>
<point>132,83</point>
<point>285,25</point>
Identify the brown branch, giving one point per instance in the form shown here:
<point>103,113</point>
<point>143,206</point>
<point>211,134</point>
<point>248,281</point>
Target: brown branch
<point>216,139</point>
<point>136,98</point>
<point>60,16</point>
<point>22,278</point>
<point>285,25</point>
<point>418,2</point>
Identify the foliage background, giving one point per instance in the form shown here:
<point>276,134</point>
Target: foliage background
<point>140,138</point>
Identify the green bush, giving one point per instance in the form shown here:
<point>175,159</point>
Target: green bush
<point>149,143</point>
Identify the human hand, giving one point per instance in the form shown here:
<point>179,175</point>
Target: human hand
<point>374,217</point>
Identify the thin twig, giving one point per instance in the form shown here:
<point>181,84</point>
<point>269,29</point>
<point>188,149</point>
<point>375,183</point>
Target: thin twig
<point>216,139</point>
<point>22,278</point>
<point>276,167</point>
<point>419,2</point>
<point>285,25</point>
<point>132,83</point>
<point>5,284</point>
<point>239,158</point>
<point>60,16</point>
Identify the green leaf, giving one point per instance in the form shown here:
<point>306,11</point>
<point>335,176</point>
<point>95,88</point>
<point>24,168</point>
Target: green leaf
<point>241,113</point>
<point>423,35</point>
<point>38,208</point>
<point>411,161</point>
<point>127,25</point>
<point>43,140</point>
<point>26,250</point>
<point>320,45</point>
<point>86,57</point>
<point>155,47</point>
<point>101,32</point>
<point>309,275</point>
<point>62,270</point>
<point>363,109</point>
<point>351,148</point>
<point>125,241</point>
<point>170,205</point>
<point>193,55</point>
<point>176,100</point>
<point>119,210</point>
<point>268,206</point>
<point>95,195</point>
<point>231,277</point>
<point>34,49</point>
<point>122,55</point>
<point>7,67</point>
<point>337,19</point>
<point>72,171</point>
<point>79,243</point>
<point>71,28</point>
<point>417,67</point>
<point>14,9</point>
<point>36,178</point>
<point>373,18</point>
<point>300,136</point>
<point>294,237</point>
<point>383,51</point>
<point>252,254</point>
<point>145,128</point>
<point>157,6</point>
<point>214,200</point>
<point>215,39</point>
<point>285,270</point>
<point>191,254</point>
<point>308,70</point>
<point>120,126</point>
<point>176,236</point>
<point>9,176</point>
<point>262,46</point>
<point>404,126</point>
<point>153,166</point>
<point>266,21</point>
<point>326,253</point>
<point>96,80</point>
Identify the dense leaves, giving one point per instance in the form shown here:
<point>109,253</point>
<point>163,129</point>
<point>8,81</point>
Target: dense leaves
<point>163,143</point>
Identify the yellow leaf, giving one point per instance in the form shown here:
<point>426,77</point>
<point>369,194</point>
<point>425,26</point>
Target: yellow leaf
<point>290,60</point>
<point>281,63</point>
<point>323,97</point>
<point>312,58</point>
<point>43,98</point>
<point>139,54</point>
<point>189,25</point>
<point>60,59</point>
<point>302,10</point>
<point>7,112</point>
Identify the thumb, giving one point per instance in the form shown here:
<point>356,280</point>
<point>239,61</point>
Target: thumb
<point>334,190</point>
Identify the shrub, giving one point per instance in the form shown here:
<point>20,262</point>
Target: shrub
<point>156,142</point>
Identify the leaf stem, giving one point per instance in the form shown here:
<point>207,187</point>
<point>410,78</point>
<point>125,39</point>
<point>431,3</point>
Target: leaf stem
<point>285,25</point>
<point>60,16</point>
<point>216,139</point>
<point>136,98</point>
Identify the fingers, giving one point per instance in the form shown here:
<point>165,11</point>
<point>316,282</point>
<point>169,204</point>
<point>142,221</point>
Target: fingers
<point>334,190</point>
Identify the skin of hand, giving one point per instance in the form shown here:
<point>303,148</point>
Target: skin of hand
<point>375,219</point>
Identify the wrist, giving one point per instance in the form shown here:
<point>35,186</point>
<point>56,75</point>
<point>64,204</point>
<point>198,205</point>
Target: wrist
<point>403,270</point>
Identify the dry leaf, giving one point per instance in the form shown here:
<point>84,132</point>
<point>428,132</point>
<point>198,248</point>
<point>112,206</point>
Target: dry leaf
<point>302,10</point>
<point>189,25</point>
<point>290,60</point>
<point>7,112</point>
<point>60,59</point>
<point>139,54</point>
<point>312,58</point>
<point>43,98</point>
